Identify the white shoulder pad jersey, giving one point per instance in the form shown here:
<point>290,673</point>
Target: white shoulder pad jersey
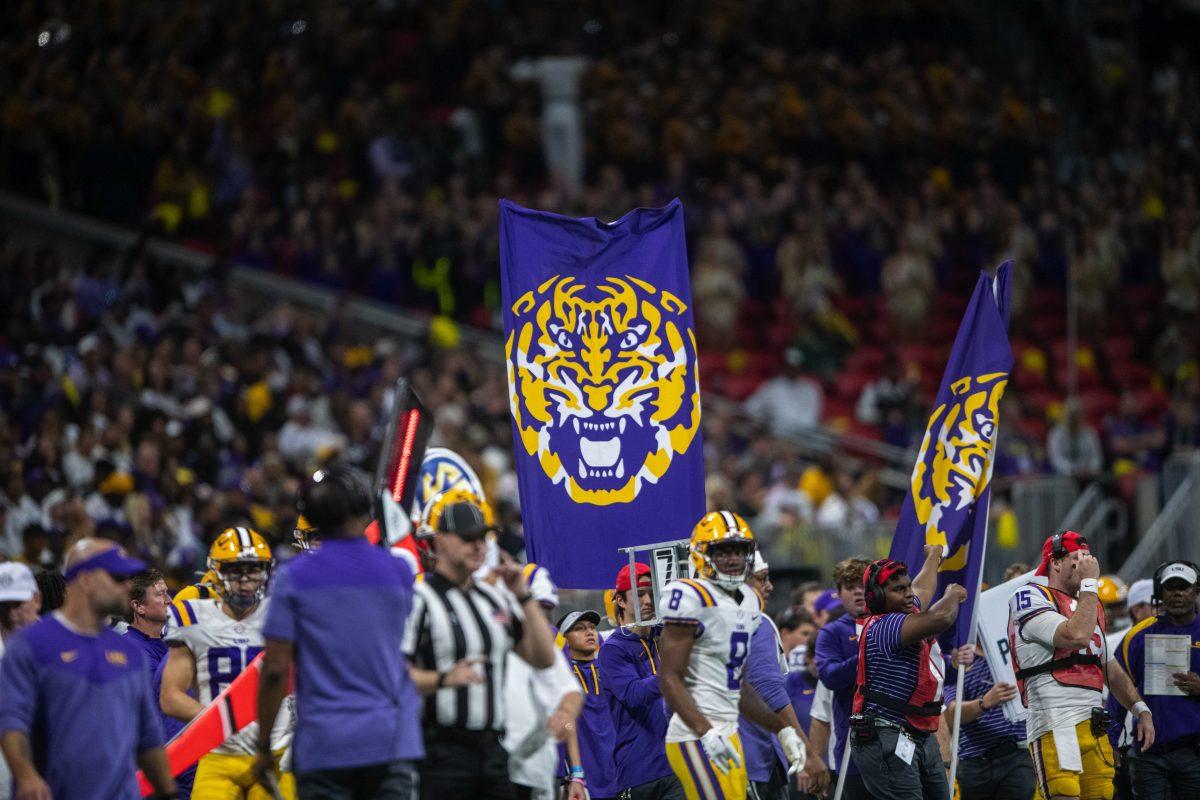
<point>223,647</point>
<point>1033,617</point>
<point>724,624</point>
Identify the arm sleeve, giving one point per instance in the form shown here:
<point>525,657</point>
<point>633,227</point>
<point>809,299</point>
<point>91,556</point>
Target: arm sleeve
<point>622,680</point>
<point>822,705</point>
<point>1041,628</point>
<point>149,720</point>
<point>281,614</point>
<point>558,681</point>
<point>763,671</point>
<point>836,672</point>
<point>18,687</point>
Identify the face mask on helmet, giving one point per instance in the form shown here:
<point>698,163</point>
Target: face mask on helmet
<point>727,563</point>
<point>305,535</point>
<point>244,583</point>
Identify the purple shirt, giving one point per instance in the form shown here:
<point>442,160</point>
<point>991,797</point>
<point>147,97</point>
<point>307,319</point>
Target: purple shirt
<point>154,649</point>
<point>630,665</point>
<point>595,729</point>
<point>765,673</point>
<point>86,705</point>
<point>802,689</point>
<point>344,607</point>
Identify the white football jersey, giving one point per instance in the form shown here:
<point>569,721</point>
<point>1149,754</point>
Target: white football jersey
<point>724,626</point>
<point>1033,618</point>
<point>223,647</point>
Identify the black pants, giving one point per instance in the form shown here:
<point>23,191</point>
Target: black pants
<point>1006,775</point>
<point>775,787</point>
<point>886,775</point>
<point>464,765</point>
<point>1174,775</point>
<point>391,780</point>
<point>665,788</point>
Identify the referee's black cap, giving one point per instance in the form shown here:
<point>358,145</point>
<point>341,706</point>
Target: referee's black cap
<point>465,520</point>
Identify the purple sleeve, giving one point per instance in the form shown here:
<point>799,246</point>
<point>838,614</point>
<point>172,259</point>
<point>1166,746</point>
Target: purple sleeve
<point>149,719</point>
<point>18,687</point>
<point>622,679</point>
<point>886,633</point>
<point>281,614</point>
<point>762,668</point>
<point>835,672</point>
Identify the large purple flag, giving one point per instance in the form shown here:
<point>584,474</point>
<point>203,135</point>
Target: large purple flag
<point>947,503</point>
<point>602,377</point>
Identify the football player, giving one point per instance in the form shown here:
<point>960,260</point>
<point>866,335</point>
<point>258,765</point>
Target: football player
<point>707,625</point>
<point>211,641</point>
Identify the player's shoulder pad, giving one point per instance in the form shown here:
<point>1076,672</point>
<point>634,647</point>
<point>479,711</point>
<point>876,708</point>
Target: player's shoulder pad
<point>684,600</point>
<point>183,612</point>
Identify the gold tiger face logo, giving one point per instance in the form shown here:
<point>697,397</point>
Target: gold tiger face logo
<point>954,465</point>
<point>603,384</point>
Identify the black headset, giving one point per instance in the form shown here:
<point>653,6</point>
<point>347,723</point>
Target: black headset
<point>1157,593</point>
<point>333,496</point>
<point>1058,548</point>
<point>872,589</point>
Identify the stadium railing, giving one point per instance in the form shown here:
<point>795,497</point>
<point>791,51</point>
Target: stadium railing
<point>1173,534</point>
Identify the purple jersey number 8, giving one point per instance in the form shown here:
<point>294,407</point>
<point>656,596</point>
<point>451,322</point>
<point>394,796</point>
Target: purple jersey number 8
<point>739,648</point>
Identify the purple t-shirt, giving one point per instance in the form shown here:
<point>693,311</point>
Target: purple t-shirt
<point>344,607</point>
<point>86,705</point>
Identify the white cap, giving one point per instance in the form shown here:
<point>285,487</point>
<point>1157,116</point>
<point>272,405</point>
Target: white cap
<point>1141,593</point>
<point>1178,570</point>
<point>16,582</point>
<point>760,563</point>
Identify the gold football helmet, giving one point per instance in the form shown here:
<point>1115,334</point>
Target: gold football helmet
<point>715,529</point>
<point>238,557</point>
<point>426,527</point>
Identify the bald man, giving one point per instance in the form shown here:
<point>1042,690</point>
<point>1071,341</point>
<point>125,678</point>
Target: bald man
<point>77,714</point>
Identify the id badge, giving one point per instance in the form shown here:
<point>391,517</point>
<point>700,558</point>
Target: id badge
<point>905,748</point>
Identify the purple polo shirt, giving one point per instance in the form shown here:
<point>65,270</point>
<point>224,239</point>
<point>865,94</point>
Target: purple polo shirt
<point>344,607</point>
<point>85,703</point>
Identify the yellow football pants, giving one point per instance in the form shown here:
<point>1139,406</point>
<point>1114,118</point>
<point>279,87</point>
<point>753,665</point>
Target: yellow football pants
<point>1096,780</point>
<point>228,777</point>
<point>701,781</point>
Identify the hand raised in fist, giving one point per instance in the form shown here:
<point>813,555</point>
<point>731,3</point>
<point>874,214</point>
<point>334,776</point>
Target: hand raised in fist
<point>956,591</point>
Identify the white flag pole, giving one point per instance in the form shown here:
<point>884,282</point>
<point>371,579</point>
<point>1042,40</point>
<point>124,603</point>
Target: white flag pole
<point>845,767</point>
<point>962,673</point>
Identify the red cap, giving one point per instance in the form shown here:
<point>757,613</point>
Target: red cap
<point>1071,541</point>
<point>888,569</point>
<point>643,571</point>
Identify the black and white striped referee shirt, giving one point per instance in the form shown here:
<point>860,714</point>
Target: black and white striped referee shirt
<point>448,624</point>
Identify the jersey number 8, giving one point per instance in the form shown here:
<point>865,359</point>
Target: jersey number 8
<point>739,648</point>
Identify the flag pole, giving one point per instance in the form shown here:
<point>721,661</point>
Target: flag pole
<point>845,767</point>
<point>972,633</point>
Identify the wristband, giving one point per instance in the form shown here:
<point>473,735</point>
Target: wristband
<point>522,600</point>
<point>982,705</point>
<point>441,681</point>
<point>1139,707</point>
<point>577,772</point>
<point>1089,585</point>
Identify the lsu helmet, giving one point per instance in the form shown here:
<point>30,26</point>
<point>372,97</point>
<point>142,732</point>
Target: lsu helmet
<point>237,546</point>
<point>718,528</point>
<point>432,513</point>
<point>1112,590</point>
<point>302,533</point>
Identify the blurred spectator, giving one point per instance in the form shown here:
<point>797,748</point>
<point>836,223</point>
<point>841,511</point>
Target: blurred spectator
<point>847,505</point>
<point>562,118</point>
<point>1073,446</point>
<point>1131,437</point>
<point>790,402</point>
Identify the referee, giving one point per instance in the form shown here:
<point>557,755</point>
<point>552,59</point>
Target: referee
<point>458,636</point>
